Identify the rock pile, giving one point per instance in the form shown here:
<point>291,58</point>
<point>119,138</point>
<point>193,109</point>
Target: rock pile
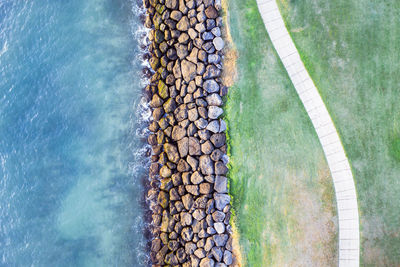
<point>188,194</point>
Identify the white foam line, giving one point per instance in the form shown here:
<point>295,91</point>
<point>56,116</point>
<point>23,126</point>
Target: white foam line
<point>346,197</point>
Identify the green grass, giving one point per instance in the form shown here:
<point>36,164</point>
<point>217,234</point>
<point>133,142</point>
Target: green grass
<point>352,51</point>
<point>280,183</point>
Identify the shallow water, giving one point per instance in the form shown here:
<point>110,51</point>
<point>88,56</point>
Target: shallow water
<point>72,152</point>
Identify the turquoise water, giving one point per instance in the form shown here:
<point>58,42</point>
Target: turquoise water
<point>72,152</point>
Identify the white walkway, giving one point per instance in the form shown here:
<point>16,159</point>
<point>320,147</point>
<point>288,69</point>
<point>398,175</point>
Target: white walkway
<point>349,238</point>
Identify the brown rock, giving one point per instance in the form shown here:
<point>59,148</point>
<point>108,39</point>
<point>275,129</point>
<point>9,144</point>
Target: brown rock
<point>172,152</point>
<point>188,70</point>
<point>194,147</point>
<point>196,178</point>
<point>206,165</point>
<point>183,24</point>
<point>183,147</point>
<point>183,166</point>
<point>178,133</point>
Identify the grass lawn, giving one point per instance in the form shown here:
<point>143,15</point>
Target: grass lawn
<point>281,186</point>
<point>352,50</point>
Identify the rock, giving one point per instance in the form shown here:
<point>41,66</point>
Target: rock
<point>206,165</point>
<point>221,200</point>
<point>165,172</point>
<point>194,163</point>
<point>183,147</point>
<point>211,72</point>
<point>214,112</point>
<point>161,254</point>
<point>222,126</point>
<point>190,248</point>
<point>221,184</point>
<point>176,15</point>
<point>204,134</point>
<point>211,86</point>
<point>218,139</point>
<point>177,179</point>
<point>193,55</point>
<point>192,189</point>
<point>186,219</point>
<point>193,114</point>
<point>209,244</point>
<point>182,51</point>
<point>216,155</point>
<point>181,255</point>
<point>158,36</point>
<point>181,113</point>
<point>154,63</point>
<point>218,43</point>
<point>217,253</point>
<point>199,214</point>
<point>187,234</point>
<point>207,36</point>
<point>203,112</point>
<point>166,184</point>
<point>178,133</point>
<point>173,245</point>
<point>187,201</point>
<point>218,216</point>
<point>196,178</point>
<point>191,129</point>
<point>177,69</point>
<point>194,147</point>
<point>170,105</point>
<point>189,71</point>
<point>219,227</point>
<point>214,59</point>
<point>211,12</point>
<point>171,4</point>
<point>207,148</point>
<point>201,123</point>
<point>210,24</point>
<point>183,166</point>
<point>213,126</point>
<point>172,152</point>
<point>207,262</point>
<point>205,188</point>
<point>216,31</point>
<point>228,260</point>
<point>173,194</point>
<point>220,240</point>
<point>163,199</point>
<point>220,168</point>
<point>200,253</point>
<point>156,101</point>
<point>183,24</point>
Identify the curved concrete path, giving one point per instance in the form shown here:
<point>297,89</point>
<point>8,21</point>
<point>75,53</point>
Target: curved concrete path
<point>346,198</point>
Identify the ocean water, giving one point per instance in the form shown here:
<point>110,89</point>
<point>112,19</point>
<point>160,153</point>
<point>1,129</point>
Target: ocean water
<point>72,151</point>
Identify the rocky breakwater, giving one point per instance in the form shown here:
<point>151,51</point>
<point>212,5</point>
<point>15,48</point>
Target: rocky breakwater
<point>188,195</point>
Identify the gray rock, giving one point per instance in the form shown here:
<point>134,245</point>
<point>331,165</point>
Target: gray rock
<point>217,253</point>
<point>214,112</point>
<point>207,36</point>
<point>183,24</point>
<point>204,134</point>
<point>199,214</point>
<point>228,257</point>
<point>181,50</point>
<point>220,240</point>
<point>221,200</point>
<point>206,165</point>
<point>211,86</point>
<point>205,188</point>
<point>219,227</point>
<point>196,178</point>
<point>207,262</point>
<point>172,152</point>
<point>194,163</point>
<point>183,166</point>
<point>214,100</point>
<point>220,168</point>
<point>218,139</point>
<point>221,184</point>
<point>188,70</point>
<point>211,230</point>
<point>216,31</point>
<point>213,126</point>
<point>201,123</point>
<point>194,260</point>
<point>200,28</point>
<point>218,43</point>
<point>220,264</point>
<point>214,59</point>
<point>181,113</point>
<point>177,69</point>
<point>210,24</point>
<point>216,155</point>
<point>222,126</point>
<point>194,147</point>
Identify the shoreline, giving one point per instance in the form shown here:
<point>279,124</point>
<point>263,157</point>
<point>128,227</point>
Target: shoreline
<point>187,193</point>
